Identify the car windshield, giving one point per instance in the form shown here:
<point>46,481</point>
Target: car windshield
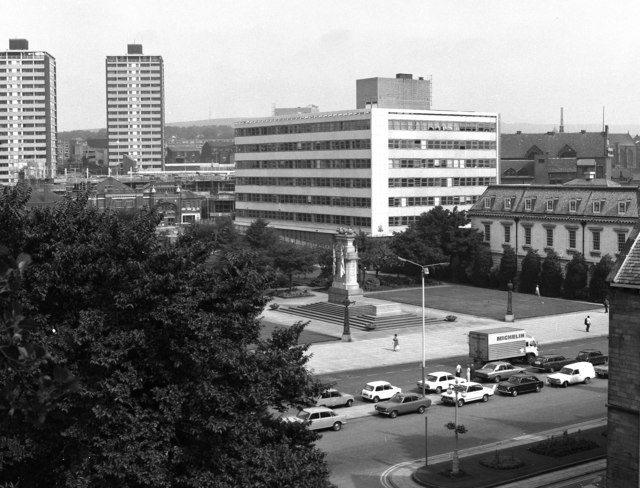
<point>304,415</point>
<point>515,379</point>
<point>368,387</point>
<point>490,366</point>
<point>430,377</point>
<point>396,399</point>
<point>566,371</point>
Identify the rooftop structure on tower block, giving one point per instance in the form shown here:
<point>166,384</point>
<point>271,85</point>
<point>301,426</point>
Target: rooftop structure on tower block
<point>135,110</point>
<point>373,170</point>
<point>399,92</point>
<point>28,113</point>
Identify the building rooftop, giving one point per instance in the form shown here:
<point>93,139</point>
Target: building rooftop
<point>585,144</point>
<point>626,270</point>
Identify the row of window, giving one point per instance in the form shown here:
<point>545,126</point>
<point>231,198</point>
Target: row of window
<point>21,70</point>
<point>432,201</point>
<point>402,221</point>
<point>305,200</point>
<point>306,164</point>
<point>318,182</point>
<point>571,237</point>
<point>439,144</point>
<point>343,220</point>
<point>448,125</point>
<point>421,182</point>
<point>442,163</point>
<point>333,126</point>
<point>551,204</point>
<point>340,145</point>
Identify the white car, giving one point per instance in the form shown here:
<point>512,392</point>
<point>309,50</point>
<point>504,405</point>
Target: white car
<point>379,390</point>
<point>581,372</point>
<point>468,392</point>
<point>439,381</point>
<point>318,418</point>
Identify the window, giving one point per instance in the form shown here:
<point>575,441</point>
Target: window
<point>528,204</point>
<point>549,237</point>
<point>622,238</point>
<point>507,234</point>
<point>622,207</point>
<point>573,206</point>
<point>597,207</point>
<point>507,203</point>
<point>572,239</point>
<point>596,239</point>
<point>487,203</point>
<point>527,236</point>
<point>549,205</point>
<point>487,232</point>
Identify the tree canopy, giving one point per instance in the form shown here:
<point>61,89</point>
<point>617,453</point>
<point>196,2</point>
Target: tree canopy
<point>170,393</point>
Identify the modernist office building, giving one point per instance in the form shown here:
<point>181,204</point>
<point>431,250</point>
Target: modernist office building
<point>373,170</point>
<point>399,92</point>
<point>28,113</point>
<point>135,109</point>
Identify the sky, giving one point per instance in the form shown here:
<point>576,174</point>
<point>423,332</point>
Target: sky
<point>236,58</point>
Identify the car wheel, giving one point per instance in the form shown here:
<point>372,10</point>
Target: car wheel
<point>460,402</point>
<point>376,399</point>
<point>565,384</point>
<point>393,414</point>
<point>349,403</point>
<point>485,398</point>
<point>421,409</point>
<point>538,389</point>
<point>514,393</point>
<point>587,380</point>
<point>496,379</point>
<point>439,390</point>
<point>337,426</point>
<point>552,370</point>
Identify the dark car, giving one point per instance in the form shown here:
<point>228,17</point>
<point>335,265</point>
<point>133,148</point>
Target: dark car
<point>551,363</point>
<point>592,356</point>
<point>520,383</point>
<point>403,403</point>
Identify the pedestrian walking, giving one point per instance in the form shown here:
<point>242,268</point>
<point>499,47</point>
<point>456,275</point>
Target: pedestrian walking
<point>587,323</point>
<point>396,342</point>
<point>537,291</point>
<point>458,371</point>
<point>468,372</point>
<point>606,305</point>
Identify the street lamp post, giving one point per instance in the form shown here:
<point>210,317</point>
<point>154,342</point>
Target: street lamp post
<point>346,331</point>
<point>425,271</point>
<point>458,389</point>
<point>509,317</point>
<point>179,192</point>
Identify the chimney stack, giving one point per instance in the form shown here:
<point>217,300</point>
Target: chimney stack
<point>561,119</point>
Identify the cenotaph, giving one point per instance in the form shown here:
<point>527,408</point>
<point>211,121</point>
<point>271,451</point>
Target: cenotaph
<point>345,287</point>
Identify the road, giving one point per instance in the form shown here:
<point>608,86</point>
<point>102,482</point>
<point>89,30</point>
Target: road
<point>369,445</point>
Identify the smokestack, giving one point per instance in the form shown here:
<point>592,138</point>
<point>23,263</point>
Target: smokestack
<point>561,119</point>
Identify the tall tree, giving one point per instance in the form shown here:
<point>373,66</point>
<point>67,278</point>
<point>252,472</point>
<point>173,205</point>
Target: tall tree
<point>170,394</point>
<point>508,268</point>
<point>481,266</point>
<point>598,286</point>
<point>551,275</point>
<point>576,276</point>
<point>530,272</point>
<point>290,259</point>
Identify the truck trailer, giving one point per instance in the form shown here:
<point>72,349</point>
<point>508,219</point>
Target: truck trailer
<point>502,344</point>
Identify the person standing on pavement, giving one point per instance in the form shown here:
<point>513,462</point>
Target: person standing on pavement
<point>458,371</point>
<point>468,372</point>
<point>537,290</point>
<point>606,305</point>
<point>396,342</point>
<point>587,323</point>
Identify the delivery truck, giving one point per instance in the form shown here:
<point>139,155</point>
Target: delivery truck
<point>502,344</point>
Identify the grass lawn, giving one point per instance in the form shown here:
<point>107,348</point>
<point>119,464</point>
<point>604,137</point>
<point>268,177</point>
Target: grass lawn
<point>482,302</point>
<point>307,337</point>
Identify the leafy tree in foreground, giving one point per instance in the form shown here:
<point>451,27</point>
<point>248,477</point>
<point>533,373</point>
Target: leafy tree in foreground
<point>170,394</point>
<point>598,286</point>
<point>530,272</point>
<point>481,268</point>
<point>575,278</point>
<point>508,267</point>
<point>551,275</point>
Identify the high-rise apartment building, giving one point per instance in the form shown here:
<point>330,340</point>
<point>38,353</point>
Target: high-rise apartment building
<point>399,92</point>
<point>373,170</point>
<point>28,113</point>
<point>135,110</point>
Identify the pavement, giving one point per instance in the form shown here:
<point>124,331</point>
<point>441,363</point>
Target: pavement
<point>442,339</point>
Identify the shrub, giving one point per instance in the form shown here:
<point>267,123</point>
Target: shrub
<point>563,445</point>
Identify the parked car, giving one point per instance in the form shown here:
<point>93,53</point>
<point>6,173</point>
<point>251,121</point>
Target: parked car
<point>551,363</point>
<point>379,390</point>
<point>520,383</point>
<point>497,371</point>
<point>593,356</point>
<point>335,398</point>
<point>602,370</point>
<point>403,403</point>
<point>438,381</point>
<point>470,392</point>
<point>316,418</point>
<point>571,374</point>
